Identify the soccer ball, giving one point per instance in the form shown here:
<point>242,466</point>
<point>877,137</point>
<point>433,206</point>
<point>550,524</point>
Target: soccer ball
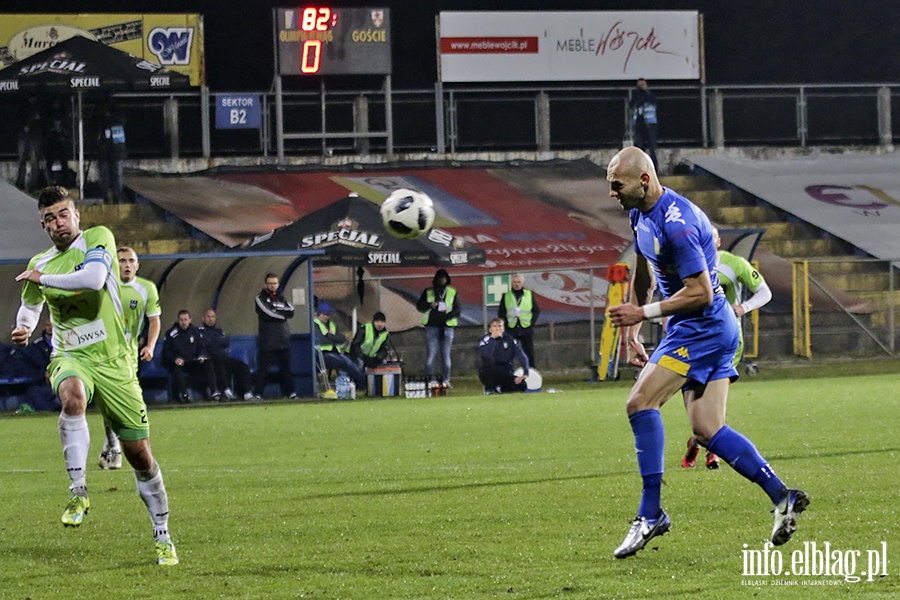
<point>407,214</point>
<point>533,382</point>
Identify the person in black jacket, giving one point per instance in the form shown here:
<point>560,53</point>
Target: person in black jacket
<point>32,168</point>
<point>273,343</point>
<point>644,120</point>
<point>498,350</point>
<point>226,367</point>
<point>184,355</point>
<point>440,303</point>
<point>111,151</point>
<point>28,365</point>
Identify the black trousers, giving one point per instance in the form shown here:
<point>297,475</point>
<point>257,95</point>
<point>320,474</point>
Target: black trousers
<point>493,376</point>
<point>525,337</point>
<point>232,373</point>
<point>645,138</point>
<point>264,361</point>
<point>196,373</point>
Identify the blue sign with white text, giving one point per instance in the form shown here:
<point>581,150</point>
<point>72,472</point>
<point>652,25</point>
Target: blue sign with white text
<point>238,111</point>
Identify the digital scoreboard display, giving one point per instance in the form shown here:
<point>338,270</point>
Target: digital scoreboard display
<point>322,40</point>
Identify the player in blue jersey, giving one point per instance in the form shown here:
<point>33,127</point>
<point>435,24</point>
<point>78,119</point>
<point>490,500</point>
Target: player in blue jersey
<point>674,238</point>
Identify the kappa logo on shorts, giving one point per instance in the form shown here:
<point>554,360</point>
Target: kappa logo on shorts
<point>683,353</point>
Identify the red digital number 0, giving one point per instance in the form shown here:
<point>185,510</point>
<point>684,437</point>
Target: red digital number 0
<point>312,52</point>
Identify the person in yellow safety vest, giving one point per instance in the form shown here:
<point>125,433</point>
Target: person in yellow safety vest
<point>441,308</point>
<point>519,310</point>
<point>369,346</point>
<point>330,343</point>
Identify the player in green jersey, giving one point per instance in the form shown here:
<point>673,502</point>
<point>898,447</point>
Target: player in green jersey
<point>735,274</point>
<point>140,299</point>
<point>77,280</point>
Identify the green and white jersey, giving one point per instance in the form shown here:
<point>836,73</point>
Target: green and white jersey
<point>734,273</point>
<point>140,299</point>
<point>87,324</point>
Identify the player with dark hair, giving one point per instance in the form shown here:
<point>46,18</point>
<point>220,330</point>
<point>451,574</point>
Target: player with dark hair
<point>90,363</point>
<point>674,237</point>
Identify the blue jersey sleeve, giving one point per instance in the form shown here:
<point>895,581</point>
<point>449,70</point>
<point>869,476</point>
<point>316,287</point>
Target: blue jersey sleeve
<point>683,235</point>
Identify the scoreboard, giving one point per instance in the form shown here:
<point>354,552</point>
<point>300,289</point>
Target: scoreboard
<point>325,40</point>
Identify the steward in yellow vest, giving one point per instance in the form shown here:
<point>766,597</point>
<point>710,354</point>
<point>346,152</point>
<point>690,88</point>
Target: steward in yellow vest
<point>331,344</point>
<point>519,310</point>
<point>368,345</point>
<point>440,307</point>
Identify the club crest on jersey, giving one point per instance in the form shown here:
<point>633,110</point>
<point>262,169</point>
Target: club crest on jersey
<point>673,215</point>
<point>133,304</point>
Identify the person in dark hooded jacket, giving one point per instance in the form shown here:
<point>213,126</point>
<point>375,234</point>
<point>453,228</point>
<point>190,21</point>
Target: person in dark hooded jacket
<point>440,305</point>
<point>273,344</point>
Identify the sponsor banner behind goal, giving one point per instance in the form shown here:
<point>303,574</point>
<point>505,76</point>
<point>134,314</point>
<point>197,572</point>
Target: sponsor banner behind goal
<point>174,41</point>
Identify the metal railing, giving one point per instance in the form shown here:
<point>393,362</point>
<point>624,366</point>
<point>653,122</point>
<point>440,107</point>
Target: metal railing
<point>855,312</point>
<point>852,313</point>
<point>495,119</point>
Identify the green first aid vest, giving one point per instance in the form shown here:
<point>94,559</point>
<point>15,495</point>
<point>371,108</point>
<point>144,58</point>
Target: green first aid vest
<point>371,345</point>
<point>449,297</point>
<point>326,329</point>
<point>509,299</point>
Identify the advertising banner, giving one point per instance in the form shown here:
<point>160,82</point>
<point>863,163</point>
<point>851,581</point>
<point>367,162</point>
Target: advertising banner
<point>174,41</point>
<point>568,46</point>
<point>855,198</point>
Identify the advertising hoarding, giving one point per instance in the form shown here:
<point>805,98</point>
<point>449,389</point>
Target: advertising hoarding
<point>568,46</point>
<point>174,41</point>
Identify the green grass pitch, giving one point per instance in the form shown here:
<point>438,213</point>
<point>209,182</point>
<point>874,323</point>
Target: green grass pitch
<point>469,496</point>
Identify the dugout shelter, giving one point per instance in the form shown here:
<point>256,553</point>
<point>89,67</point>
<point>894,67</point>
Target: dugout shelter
<point>229,283</point>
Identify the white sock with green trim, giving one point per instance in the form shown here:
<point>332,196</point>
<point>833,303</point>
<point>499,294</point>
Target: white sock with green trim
<point>75,438</point>
<point>153,492</point>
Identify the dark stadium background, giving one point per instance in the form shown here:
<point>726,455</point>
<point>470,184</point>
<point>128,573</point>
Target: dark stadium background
<point>747,41</point>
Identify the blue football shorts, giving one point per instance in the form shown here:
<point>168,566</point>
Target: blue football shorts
<point>701,345</point>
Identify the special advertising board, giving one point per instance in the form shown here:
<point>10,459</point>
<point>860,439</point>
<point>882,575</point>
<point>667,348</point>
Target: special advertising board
<point>174,41</point>
<point>568,46</point>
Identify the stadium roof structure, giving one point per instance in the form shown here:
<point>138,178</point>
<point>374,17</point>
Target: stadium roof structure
<point>79,66</point>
